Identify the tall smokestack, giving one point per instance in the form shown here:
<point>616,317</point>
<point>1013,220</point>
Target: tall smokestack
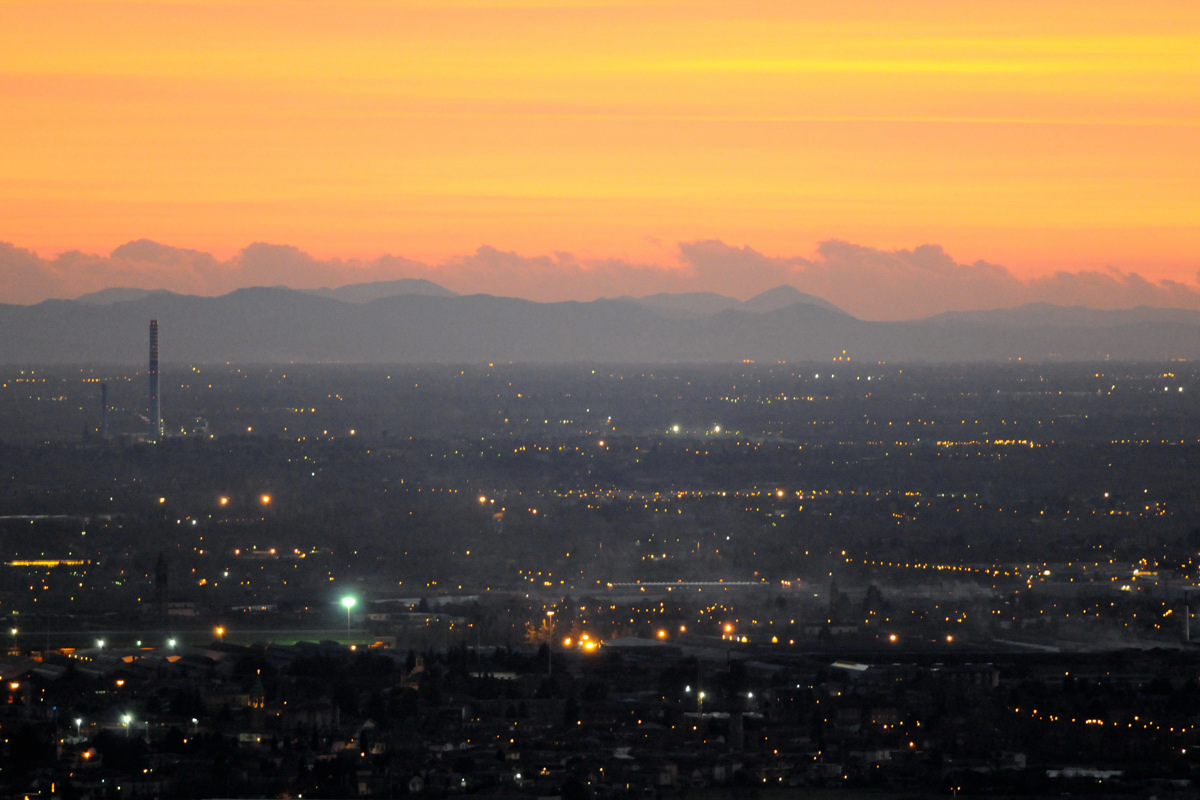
<point>155,408</point>
<point>104,411</point>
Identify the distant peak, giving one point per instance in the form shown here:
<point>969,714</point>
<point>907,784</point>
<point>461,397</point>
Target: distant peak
<point>377,290</point>
<point>784,296</point>
<point>118,294</point>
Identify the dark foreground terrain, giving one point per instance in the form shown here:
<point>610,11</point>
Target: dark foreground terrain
<point>598,581</point>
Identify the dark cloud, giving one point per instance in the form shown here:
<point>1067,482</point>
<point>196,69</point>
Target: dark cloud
<point>24,278</point>
<point>735,271</point>
<point>906,284</point>
<point>147,252</point>
<point>1098,288</point>
<point>865,281</point>
<point>903,284</point>
<point>263,264</point>
<point>548,278</point>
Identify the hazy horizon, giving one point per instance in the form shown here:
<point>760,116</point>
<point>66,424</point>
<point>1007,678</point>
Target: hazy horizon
<point>866,282</point>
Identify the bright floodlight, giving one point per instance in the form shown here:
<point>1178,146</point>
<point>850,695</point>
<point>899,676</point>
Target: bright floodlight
<point>349,603</point>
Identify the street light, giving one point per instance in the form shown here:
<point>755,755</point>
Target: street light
<point>126,719</point>
<point>349,603</point>
<point>550,647</point>
<point>78,726</point>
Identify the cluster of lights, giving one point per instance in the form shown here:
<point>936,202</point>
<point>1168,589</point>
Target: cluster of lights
<point>585,643</point>
<point>1137,722</point>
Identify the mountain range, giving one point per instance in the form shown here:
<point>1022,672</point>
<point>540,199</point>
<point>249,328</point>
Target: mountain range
<point>416,321</point>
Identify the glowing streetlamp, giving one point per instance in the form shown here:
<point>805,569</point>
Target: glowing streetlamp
<point>550,646</point>
<point>125,720</point>
<point>349,603</point>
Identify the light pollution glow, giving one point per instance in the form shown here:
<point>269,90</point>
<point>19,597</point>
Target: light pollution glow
<point>1039,135</point>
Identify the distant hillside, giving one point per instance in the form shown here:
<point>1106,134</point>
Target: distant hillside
<point>120,294</point>
<point>366,292</point>
<point>1075,316</point>
<point>272,325</point>
<point>702,304</point>
<point>784,296</point>
<point>686,304</point>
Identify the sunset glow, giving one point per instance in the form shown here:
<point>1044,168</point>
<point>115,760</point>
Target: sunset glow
<point>1042,136</point>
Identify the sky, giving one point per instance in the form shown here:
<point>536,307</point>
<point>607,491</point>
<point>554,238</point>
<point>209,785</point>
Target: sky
<point>990,152</point>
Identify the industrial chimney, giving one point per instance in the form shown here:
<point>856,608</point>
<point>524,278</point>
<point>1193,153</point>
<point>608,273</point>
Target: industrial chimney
<point>155,407</point>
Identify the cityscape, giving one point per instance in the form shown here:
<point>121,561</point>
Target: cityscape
<point>600,580</point>
<point>599,400</point>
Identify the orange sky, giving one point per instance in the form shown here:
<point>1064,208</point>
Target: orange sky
<point>1038,135</point>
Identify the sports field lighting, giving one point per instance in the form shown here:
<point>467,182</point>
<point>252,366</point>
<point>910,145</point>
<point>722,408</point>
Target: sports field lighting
<point>349,603</point>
